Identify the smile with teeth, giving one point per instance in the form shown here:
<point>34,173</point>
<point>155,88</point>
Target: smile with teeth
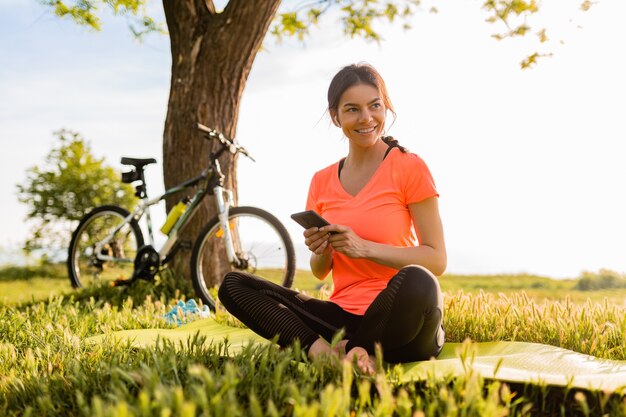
<point>366,131</point>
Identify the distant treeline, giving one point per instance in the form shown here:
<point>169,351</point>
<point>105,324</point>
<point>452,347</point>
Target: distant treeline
<point>16,272</point>
<point>604,279</point>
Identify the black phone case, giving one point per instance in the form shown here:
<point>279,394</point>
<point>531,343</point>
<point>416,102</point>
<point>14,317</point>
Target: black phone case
<point>308,219</point>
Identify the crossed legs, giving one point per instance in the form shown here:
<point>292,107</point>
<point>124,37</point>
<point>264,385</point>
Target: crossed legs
<point>405,318</point>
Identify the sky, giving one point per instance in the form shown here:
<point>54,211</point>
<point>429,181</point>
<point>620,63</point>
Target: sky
<point>529,164</point>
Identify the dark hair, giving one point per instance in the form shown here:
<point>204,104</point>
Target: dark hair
<point>356,74</point>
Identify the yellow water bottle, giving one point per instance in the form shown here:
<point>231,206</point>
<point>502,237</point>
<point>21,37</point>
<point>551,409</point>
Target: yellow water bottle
<point>173,216</point>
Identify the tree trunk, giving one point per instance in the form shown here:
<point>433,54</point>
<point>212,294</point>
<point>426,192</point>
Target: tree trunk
<point>212,55</point>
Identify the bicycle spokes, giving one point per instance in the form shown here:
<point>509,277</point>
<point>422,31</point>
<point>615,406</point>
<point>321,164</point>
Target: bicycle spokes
<point>103,248</point>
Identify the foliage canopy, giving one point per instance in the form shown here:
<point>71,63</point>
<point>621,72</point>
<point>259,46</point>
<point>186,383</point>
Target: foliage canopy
<point>358,17</point>
<point>71,182</point>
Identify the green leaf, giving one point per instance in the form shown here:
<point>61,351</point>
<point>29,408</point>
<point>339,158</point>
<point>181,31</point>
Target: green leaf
<point>86,13</point>
<point>531,60</point>
<point>543,37</point>
<point>586,5</point>
<point>70,182</point>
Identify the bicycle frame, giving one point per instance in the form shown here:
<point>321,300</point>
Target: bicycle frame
<point>214,186</point>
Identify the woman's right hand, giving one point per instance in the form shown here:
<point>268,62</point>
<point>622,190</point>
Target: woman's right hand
<point>317,241</point>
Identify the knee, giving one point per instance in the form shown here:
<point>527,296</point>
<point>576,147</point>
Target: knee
<point>230,283</point>
<point>419,283</point>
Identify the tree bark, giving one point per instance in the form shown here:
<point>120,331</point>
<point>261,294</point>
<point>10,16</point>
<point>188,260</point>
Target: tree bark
<point>212,55</point>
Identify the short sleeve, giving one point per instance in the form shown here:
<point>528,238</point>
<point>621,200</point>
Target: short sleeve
<point>311,200</point>
<point>418,184</point>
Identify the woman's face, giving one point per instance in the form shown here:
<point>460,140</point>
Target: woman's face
<point>361,114</point>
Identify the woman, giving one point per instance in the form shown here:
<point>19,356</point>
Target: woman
<point>381,201</point>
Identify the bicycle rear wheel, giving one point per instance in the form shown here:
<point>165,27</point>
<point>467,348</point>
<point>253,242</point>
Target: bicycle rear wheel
<point>98,253</point>
<point>262,244</point>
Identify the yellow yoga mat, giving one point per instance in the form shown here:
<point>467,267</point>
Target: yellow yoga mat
<point>519,362</point>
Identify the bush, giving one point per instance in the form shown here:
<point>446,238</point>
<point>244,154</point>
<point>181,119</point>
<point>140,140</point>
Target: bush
<point>602,280</point>
<point>12,272</point>
<point>58,193</point>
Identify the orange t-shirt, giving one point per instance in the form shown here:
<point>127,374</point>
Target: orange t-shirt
<point>379,213</point>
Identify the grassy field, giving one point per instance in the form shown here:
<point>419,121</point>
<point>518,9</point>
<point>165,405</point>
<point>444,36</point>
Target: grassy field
<point>46,369</point>
<point>21,284</point>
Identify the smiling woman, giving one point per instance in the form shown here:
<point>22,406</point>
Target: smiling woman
<point>358,108</point>
<point>383,245</point>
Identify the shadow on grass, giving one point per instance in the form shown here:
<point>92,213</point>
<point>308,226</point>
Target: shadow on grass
<point>165,287</point>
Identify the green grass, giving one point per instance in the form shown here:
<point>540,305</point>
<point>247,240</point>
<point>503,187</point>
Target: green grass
<point>536,287</point>
<point>32,283</point>
<point>46,369</point>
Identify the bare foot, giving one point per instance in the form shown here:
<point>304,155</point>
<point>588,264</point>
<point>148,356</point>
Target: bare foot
<point>340,348</point>
<point>321,348</point>
<point>363,360</point>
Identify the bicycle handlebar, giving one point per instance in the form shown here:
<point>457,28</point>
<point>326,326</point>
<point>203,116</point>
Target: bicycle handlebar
<point>227,143</point>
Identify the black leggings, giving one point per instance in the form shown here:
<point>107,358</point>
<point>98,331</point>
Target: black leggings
<point>405,318</point>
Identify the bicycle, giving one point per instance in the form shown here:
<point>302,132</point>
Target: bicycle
<point>108,242</point>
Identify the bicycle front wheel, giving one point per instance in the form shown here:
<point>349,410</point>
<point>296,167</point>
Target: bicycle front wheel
<point>261,243</point>
<point>103,247</point>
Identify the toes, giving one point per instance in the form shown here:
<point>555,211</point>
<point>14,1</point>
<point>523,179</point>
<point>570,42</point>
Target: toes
<point>363,361</point>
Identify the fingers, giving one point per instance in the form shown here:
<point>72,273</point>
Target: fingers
<point>313,235</point>
<point>342,242</point>
<point>317,241</point>
<point>323,248</point>
<point>332,229</point>
<point>335,228</point>
<point>324,239</point>
<point>310,232</point>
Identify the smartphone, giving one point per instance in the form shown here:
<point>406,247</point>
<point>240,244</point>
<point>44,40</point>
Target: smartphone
<point>309,218</point>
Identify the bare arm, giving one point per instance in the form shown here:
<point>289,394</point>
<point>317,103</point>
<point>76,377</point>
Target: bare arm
<point>431,252</point>
<point>322,253</point>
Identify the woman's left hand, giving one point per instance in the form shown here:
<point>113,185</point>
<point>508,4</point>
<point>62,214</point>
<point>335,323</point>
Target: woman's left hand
<point>345,241</point>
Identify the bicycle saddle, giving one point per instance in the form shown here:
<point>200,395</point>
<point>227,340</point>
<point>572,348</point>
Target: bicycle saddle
<point>138,162</point>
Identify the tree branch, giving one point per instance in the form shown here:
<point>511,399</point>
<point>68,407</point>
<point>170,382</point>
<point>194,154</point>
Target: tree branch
<point>246,10</point>
<point>204,6</point>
